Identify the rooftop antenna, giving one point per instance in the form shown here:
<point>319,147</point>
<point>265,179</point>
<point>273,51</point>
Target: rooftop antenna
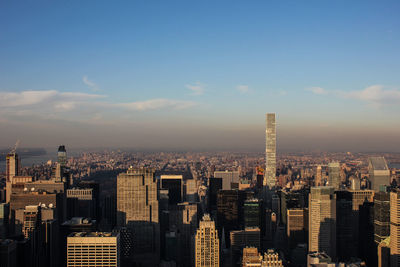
<point>14,150</point>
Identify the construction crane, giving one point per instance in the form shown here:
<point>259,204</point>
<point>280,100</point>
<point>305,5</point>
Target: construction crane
<point>14,150</point>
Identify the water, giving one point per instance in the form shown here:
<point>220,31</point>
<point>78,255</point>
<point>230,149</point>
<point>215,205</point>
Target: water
<point>32,160</point>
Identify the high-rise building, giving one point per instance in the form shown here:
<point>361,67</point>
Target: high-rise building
<point>270,151</point>
<point>318,176</point>
<point>254,214</point>
<point>12,169</point>
<point>379,173</point>
<point>207,244</point>
<point>322,216</point>
<point>230,211</point>
<point>81,202</point>
<point>334,174</point>
<point>62,156</point>
<point>8,253</point>
<point>174,185</point>
<point>230,179</point>
<point>4,219</point>
<point>395,228</point>
<point>297,226</point>
<point>384,253</point>
<point>93,249</point>
<point>137,208</point>
<point>249,237</point>
<point>345,240</point>
<point>214,185</point>
<point>381,216</point>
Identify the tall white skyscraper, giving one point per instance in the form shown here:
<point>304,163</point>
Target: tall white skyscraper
<point>270,151</point>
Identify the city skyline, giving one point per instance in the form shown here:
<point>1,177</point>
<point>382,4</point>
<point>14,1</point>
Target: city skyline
<point>141,78</point>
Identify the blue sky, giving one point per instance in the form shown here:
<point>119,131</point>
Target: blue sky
<point>200,74</point>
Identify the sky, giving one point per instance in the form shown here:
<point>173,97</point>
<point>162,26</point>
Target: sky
<point>200,75</point>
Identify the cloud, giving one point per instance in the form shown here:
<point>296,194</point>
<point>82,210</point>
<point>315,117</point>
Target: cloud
<point>243,89</point>
<point>375,95</point>
<point>160,103</point>
<point>92,85</point>
<point>197,88</point>
<point>317,90</point>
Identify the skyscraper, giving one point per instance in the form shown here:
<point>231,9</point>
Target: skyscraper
<point>334,174</point>
<point>93,249</point>
<point>137,208</point>
<point>270,151</point>
<point>381,216</point>
<point>318,176</point>
<point>395,228</point>
<point>62,156</point>
<point>207,244</point>
<point>379,173</point>
<point>12,169</point>
<point>322,226</point>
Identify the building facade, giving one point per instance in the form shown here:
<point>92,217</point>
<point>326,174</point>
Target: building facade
<point>207,244</point>
<point>270,151</point>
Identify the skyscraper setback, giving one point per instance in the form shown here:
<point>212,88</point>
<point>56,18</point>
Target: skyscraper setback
<point>270,151</point>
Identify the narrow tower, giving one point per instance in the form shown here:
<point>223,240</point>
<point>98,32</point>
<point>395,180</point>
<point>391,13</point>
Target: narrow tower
<point>270,151</point>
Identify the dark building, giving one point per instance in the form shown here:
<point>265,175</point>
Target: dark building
<point>8,253</point>
<point>215,184</point>
<point>174,185</point>
<point>230,211</point>
<point>346,248</point>
<point>367,249</point>
<point>381,216</point>
<point>4,219</point>
<point>254,214</point>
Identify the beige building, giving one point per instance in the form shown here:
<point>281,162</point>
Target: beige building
<point>395,228</point>
<point>93,249</point>
<point>207,244</point>
<point>252,258</point>
<point>137,208</point>
<point>270,150</point>
<point>12,169</point>
<point>322,216</point>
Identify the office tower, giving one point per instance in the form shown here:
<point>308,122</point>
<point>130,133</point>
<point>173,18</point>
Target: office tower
<point>207,244</point>
<point>51,243</point>
<point>81,202</point>
<point>270,151</point>
<point>334,175</point>
<point>249,237</point>
<point>322,226</point>
<point>215,184</point>
<point>379,173</point>
<point>254,214</point>
<point>276,206</point>
<point>174,185</point>
<point>381,216</point>
<point>186,228</point>
<point>229,211</point>
<point>109,210</point>
<point>291,200</point>
<point>4,219</point>
<point>62,156</point>
<point>137,208</point>
<point>366,244</point>
<point>126,245</point>
<point>345,240</point>
<point>93,249</point>
<point>52,200</point>
<point>297,226</point>
<point>384,253</point>
<point>12,169</point>
<point>355,183</point>
<point>191,191</point>
<point>8,253</point>
<point>358,198</point>
<point>31,221</point>
<point>230,179</point>
<point>318,176</point>
<point>395,228</point>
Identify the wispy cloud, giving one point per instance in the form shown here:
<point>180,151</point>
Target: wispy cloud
<point>243,89</point>
<point>375,95</point>
<point>317,90</point>
<point>197,88</point>
<point>155,104</point>
<point>92,85</point>
<point>76,106</point>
